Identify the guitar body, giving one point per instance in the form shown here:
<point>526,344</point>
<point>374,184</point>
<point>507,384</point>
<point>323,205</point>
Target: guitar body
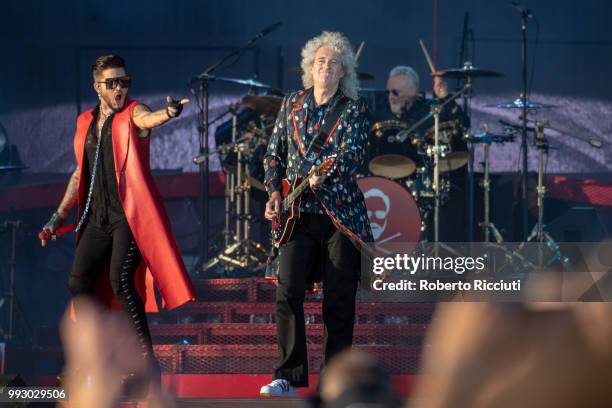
<point>283,225</point>
<point>291,194</point>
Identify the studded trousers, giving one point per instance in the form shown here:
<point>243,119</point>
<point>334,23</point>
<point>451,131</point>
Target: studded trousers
<point>112,244</point>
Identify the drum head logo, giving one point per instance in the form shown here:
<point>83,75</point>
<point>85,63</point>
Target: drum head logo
<point>393,212</point>
<point>378,204</point>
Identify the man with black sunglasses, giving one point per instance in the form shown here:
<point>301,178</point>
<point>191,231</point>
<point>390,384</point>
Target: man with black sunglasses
<point>124,238</point>
<point>405,103</point>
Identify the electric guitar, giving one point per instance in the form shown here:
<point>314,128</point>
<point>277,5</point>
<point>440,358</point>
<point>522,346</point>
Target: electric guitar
<point>291,194</point>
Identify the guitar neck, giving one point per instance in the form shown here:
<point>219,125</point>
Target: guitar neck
<point>291,197</point>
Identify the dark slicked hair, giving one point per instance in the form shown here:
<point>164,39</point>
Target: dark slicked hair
<point>105,62</point>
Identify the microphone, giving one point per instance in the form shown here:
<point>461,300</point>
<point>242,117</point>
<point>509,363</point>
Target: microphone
<point>524,12</point>
<point>268,30</point>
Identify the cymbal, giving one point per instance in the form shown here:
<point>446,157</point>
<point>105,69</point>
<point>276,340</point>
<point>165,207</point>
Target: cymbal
<point>392,166</point>
<point>467,70</point>
<point>268,105</point>
<point>362,76</point>
<point>240,81</point>
<point>518,104</point>
<point>453,161</point>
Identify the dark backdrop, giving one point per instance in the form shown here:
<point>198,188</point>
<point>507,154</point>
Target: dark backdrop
<point>48,47</point>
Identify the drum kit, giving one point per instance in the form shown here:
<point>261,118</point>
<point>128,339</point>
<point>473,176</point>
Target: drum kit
<point>407,178</point>
<point>242,159</point>
<point>403,160</point>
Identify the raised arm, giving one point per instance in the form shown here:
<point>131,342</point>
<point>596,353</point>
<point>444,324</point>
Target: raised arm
<point>145,119</point>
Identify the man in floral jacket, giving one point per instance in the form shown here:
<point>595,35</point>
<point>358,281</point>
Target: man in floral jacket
<point>323,120</point>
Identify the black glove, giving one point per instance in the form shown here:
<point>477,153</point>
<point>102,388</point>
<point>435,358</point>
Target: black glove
<point>54,223</point>
<point>174,108</point>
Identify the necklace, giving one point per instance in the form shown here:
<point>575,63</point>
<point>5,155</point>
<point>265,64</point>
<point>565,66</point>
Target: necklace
<point>102,117</point>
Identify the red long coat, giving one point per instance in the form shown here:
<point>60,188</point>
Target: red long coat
<point>161,261</point>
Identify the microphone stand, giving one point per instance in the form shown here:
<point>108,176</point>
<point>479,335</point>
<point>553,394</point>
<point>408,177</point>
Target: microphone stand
<point>538,233</point>
<point>464,61</point>
<point>10,297</point>
<point>202,95</point>
<point>524,149</point>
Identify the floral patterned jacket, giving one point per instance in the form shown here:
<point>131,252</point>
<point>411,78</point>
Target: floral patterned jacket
<point>289,155</point>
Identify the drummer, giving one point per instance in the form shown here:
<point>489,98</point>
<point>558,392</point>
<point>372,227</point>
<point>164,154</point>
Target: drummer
<point>406,103</point>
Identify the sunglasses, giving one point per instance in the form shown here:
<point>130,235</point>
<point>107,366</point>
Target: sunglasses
<point>111,83</point>
<point>393,92</point>
<point>379,214</point>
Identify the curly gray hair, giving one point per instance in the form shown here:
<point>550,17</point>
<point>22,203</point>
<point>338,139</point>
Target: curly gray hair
<point>339,43</point>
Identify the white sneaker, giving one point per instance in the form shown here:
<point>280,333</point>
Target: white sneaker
<point>278,388</point>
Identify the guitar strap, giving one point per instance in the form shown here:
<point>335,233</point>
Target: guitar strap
<point>328,124</point>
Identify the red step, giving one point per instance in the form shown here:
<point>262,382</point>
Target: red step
<point>265,333</point>
<point>261,358</point>
<point>239,312</point>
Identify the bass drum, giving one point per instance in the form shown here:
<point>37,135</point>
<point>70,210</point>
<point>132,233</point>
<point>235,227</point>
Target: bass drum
<point>393,212</point>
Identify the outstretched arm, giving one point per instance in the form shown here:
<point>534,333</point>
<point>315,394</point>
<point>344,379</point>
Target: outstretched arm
<point>145,119</point>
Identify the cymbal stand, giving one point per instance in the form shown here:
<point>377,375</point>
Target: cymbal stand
<point>538,233</point>
<point>525,15</point>
<point>202,96</point>
<point>239,181</point>
<point>240,251</point>
<point>437,151</point>
<point>467,107</point>
<point>230,183</point>
<point>436,177</point>
<point>488,227</point>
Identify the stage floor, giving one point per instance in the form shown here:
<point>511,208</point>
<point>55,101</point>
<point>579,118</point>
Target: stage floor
<point>239,403</point>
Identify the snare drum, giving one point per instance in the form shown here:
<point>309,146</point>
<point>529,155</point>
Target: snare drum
<point>392,152</point>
